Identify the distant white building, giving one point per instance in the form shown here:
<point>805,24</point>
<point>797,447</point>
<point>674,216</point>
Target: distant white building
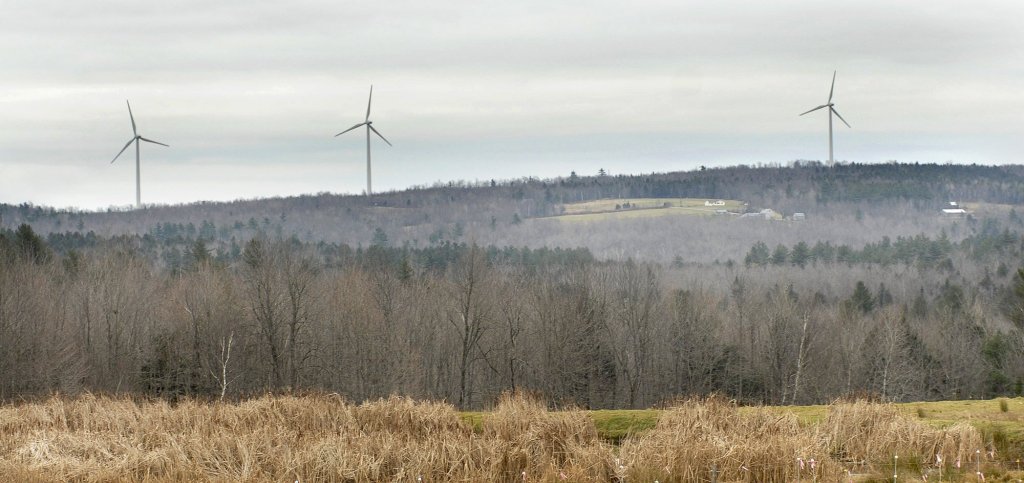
<point>799,217</point>
<point>765,214</point>
<point>714,203</point>
<point>954,211</point>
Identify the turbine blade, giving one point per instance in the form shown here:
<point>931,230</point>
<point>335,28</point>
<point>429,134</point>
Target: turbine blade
<point>368,103</point>
<point>135,132</point>
<point>833,88</point>
<point>122,150</point>
<point>381,136</point>
<point>152,141</point>
<point>349,129</point>
<point>841,118</point>
<point>815,109</point>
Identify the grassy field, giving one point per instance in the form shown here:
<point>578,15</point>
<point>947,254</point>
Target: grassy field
<point>999,423</point>
<point>324,438</point>
<point>990,208</point>
<point>1005,429</point>
<point>601,210</point>
<point>612,425</point>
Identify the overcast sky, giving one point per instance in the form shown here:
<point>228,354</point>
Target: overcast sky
<point>250,94</point>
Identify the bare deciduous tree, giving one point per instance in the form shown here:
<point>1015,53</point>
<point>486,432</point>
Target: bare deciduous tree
<point>470,313</point>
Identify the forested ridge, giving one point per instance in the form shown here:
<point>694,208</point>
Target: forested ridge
<point>462,292</point>
<point>801,186</point>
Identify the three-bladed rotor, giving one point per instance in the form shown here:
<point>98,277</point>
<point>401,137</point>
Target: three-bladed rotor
<point>368,123</point>
<point>830,105</point>
<point>135,136</point>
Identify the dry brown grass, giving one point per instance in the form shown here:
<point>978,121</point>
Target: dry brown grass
<point>309,438</point>
<point>324,438</point>
<point>765,444</point>
<point>546,445</point>
<point>869,431</point>
<point>696,436</point>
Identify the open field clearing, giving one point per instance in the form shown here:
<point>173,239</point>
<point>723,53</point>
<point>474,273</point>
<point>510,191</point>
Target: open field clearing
<point>324,438</point>
<point>622,208</point>
<point>989,209</point>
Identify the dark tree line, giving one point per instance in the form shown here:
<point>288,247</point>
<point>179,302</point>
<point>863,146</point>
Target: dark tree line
<point>988,243</point>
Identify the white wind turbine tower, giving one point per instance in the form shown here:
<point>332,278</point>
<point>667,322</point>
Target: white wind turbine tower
<point>369,127</point>
<point>135,139</point>
<point>831,110</point>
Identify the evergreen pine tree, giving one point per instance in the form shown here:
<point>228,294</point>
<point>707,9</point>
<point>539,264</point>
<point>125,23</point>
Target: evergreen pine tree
<point>862,299</point>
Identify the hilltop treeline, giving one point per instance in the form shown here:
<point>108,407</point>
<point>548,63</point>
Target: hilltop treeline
<point>901,199</point>
<point>464,323</point>
<point>530,197</point>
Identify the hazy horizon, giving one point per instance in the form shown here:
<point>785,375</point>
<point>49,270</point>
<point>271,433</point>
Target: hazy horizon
<point>437,183</point>
<point>250,97</point>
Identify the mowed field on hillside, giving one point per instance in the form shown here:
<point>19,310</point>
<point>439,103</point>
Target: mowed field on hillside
<point>622,208</point>
<point>322,437</point>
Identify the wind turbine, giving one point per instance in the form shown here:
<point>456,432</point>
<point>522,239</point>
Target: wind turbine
<point>135,139</point>
<point>831,110</point>
<point>369,127</point>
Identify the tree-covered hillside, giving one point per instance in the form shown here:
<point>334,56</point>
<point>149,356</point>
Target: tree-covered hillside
<point>849,204</point>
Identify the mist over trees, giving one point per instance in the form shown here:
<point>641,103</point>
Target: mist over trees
<point>873,294</point>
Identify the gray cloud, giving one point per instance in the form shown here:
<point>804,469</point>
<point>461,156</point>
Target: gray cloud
<point>249,94</point>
